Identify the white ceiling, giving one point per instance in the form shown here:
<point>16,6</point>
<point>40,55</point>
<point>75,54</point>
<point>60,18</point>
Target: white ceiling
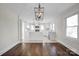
<point>26,10</point>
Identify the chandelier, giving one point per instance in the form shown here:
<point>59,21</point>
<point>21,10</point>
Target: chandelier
<point>39,13</point>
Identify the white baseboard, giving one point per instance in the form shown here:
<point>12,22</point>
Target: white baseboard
<point>8,48</point>
<point>71,48</point>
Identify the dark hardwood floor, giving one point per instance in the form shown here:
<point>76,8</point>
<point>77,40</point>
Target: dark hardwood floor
<point>39,49</point>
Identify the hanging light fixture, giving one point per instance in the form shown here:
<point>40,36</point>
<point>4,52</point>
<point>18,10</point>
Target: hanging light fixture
<point>39,13</point>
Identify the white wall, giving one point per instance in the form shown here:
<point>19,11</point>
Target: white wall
<point>8,30</point>
<point>71,43</point>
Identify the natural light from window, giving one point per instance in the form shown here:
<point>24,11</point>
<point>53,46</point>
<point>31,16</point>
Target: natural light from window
<point>71,26</point>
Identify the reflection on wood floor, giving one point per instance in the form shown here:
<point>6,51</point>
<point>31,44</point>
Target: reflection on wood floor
<point>39,49</point>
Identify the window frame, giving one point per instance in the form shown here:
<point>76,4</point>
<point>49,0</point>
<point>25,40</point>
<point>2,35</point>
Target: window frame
<point>71,26</point>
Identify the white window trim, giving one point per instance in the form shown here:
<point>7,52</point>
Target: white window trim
<point>71,26</point>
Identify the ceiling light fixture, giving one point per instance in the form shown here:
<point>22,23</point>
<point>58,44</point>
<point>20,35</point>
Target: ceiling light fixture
<point>39,13</point>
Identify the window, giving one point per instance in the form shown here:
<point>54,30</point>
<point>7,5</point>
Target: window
<point>71,26</point>
<point>42,27</point>
<point>52,27</point>
<point>32,27</point>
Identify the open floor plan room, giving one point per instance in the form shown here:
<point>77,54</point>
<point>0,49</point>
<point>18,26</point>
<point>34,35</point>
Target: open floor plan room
<point>39,29</point>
